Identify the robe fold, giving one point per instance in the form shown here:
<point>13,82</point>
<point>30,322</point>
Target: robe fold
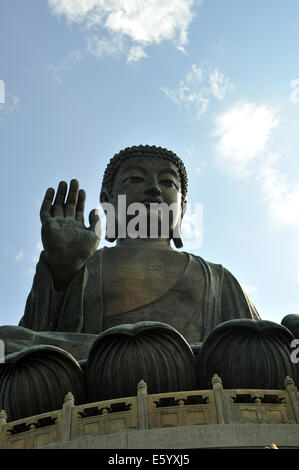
<point>205,295</point>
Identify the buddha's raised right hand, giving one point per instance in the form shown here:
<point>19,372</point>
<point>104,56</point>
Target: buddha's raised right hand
<point>67,242</point>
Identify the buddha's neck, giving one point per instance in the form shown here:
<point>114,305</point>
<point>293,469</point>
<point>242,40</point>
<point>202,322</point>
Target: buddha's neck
<point>154,243</point>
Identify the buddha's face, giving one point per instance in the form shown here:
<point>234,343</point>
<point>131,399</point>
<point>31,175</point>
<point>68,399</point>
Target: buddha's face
<point>148,181</point>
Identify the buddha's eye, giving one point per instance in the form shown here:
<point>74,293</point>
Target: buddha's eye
<point>133,179</point>
<point>169,183</point>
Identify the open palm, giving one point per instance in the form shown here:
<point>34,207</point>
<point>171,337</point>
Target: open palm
<point>67,242</point>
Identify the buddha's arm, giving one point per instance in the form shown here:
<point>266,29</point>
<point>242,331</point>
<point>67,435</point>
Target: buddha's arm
<point>234,300</point>
<point>50,310</point>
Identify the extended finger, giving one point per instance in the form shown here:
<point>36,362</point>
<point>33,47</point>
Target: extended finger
<point>80,206</point>
<point>71,202</point>
<point>59,199</point>
<point>46,204</point>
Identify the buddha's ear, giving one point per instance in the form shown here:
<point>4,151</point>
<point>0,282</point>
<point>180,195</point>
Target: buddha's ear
<point>184,208</point>
<point>178,241</point>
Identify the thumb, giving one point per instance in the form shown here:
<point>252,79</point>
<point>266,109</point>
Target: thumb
<point>95,223</point>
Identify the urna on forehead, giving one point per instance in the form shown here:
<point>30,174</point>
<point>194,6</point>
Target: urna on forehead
<point>147,152</point>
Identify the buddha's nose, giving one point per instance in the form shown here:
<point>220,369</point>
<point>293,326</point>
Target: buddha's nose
<point>152,188</point>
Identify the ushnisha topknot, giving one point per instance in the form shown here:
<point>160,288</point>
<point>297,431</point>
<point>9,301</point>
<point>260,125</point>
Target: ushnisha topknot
<point>148,151</point>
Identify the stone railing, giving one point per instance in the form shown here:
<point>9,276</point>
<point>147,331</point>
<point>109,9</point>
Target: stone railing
<point>190,408</point>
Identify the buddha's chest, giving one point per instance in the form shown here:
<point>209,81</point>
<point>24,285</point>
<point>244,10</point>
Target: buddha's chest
<point>132,279</point>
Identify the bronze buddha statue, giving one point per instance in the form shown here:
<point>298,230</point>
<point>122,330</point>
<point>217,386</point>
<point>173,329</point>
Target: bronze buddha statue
<point>80,292</point>
<point>79,289</point>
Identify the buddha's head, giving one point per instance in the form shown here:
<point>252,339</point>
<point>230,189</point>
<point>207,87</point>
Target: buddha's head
<point>147,175</point>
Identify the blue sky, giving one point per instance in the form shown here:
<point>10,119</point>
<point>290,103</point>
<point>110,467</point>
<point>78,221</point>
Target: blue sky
<point>216,81</point>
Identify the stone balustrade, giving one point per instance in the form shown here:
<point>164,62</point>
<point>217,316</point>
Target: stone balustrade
<point>149,411</point>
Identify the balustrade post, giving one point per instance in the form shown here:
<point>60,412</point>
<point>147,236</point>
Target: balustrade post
<point>67,414</point>
<point>3,418</point>
<point>142,406</point>
<point>222,406</point>
<point>293,394</point>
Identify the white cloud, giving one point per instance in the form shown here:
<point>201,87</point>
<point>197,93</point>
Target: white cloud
<point>56,70</point>
<point>196,90</point>
<point>13,102</point>
<point>10,105</point>
<point>74,10</point>
<point>250,290</point>
<point>19,255</point>
<point>220,85</point>
<point>242,133</point>
<point>282,199</point>
<point>136,53</point>
<point>184,96</point>
<point>100,46</point>
<point>279,193</point>
<point>195,75</point>
<point>294,96</point>
<point>129,23</point>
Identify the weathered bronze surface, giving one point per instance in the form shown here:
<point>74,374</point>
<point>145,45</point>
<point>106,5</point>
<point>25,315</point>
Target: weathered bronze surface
<point>80,291</point>
<point>245,354</point>
<point>77,289</point>
<point>149,351</point>
<point>37,379</point>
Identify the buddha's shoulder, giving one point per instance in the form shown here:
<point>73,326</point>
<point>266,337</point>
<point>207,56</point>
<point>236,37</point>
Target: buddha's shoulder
<point>218,270</point>
<point>207,264</point>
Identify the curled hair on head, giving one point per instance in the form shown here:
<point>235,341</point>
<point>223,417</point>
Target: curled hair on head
<point>148,151</point>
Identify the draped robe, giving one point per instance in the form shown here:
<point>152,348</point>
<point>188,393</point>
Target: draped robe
<point>205,295</point>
